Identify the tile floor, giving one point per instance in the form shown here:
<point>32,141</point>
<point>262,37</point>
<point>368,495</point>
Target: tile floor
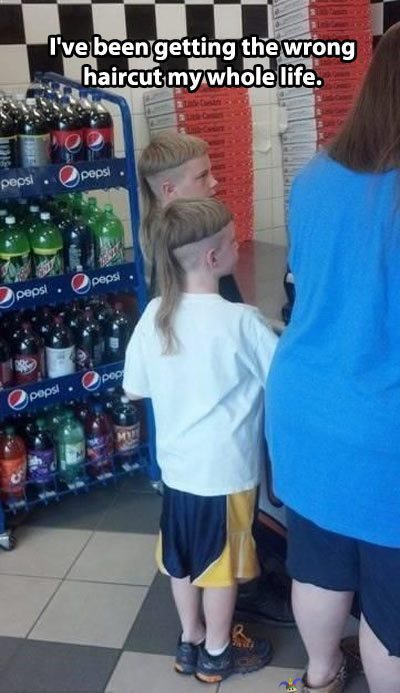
<point>82,609</point>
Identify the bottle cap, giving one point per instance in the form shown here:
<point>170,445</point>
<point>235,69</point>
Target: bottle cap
<point>45,216</point>
<point>10,220</point>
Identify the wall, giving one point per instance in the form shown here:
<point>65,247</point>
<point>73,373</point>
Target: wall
<point>25,25</point>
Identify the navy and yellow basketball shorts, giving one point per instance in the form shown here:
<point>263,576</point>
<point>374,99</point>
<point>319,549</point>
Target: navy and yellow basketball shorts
<point>208,538</point>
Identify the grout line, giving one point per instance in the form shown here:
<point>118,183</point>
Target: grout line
<point>104,582</point>
<point>56,591</point>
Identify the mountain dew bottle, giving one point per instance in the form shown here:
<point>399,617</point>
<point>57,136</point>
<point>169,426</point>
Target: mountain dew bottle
<point>109,239</point>
<point>15,257</point>
<point>91,212</point>
<point>71,448</point>
<point>47,248</point>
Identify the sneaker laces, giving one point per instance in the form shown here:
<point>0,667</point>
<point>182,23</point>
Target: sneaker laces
<point>239,639</point>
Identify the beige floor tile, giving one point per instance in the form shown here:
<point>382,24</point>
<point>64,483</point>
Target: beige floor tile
<point>44,552</point>
<point>145,673</point>
<point>22,599</point>
<point>266,680</point>
<point>87,613</point>
<point>117,557</point>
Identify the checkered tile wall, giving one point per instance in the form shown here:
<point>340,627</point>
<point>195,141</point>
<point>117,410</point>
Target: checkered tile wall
<point>25,25</point>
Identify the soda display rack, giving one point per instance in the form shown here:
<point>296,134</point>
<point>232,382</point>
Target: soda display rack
<point>128,278</point>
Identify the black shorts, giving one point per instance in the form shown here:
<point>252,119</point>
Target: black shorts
<point>339,563</point>
<point>208,538</point>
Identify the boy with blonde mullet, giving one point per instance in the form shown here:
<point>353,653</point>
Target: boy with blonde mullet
<point>203,361</point>
<point>174,166</point>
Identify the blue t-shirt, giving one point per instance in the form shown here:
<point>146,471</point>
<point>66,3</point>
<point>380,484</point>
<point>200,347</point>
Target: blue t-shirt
<point>333,393</point>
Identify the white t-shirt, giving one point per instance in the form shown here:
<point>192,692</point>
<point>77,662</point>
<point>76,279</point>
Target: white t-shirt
<point>208,397</point>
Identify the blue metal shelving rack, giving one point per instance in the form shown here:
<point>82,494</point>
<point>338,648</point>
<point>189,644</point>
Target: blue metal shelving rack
<point>128,277</point>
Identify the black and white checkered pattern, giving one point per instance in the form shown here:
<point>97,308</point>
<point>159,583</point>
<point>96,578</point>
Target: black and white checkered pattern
<point>28,24</point>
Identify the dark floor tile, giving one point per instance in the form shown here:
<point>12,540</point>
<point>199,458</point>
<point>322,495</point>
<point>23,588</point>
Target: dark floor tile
<point>288,648</point>
<point>156,628</point>
<point>8,648</point>
<point>83,511</point>
<point>130,512</point>
<point>46,667</point>
<point>137,483</point>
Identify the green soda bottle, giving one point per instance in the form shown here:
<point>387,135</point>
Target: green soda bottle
<point>91,212</point>
<point>71,448</point>
<point>47,248</point>
<point>15,257</point>
<point>109,239</point>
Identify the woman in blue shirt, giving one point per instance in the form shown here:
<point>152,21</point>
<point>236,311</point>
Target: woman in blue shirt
<point>333,392</point>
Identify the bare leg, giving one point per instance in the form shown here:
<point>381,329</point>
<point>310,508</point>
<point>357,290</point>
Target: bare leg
<point>321,616</point>
<point>382,671</point>
<point>218,605</point>
<point>188,602</point>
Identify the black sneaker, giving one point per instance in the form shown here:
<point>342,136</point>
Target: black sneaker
<point>186,657</point>
<point>249,654</point>
<point>265,599</point>
<point>213,669</point>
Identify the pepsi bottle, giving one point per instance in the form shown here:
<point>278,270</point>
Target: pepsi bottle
<point>34,137</point>
<point>89,341</point>
<point>5,364</point>
<point>78,245</point>
<point>116,332</point>
<point>99,135</point>
<point>60,350</point>
<point>67,136</point>
<point>8,141</point>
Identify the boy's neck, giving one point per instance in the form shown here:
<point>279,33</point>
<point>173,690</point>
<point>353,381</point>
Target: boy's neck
<point>200,284</point>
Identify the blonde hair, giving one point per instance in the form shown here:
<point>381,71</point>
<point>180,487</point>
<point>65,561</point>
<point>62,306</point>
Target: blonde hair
<point>166,151</point>
<point>182,222</point>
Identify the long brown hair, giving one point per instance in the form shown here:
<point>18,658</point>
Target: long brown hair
<point>370,138</point>
<point>182,222</point>
<point>166,151</point>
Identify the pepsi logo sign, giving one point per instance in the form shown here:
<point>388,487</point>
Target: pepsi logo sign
<point>80,283</point>
<point>95,141</point>
<point>73,143</point>
<point>7,297</point>
<point>69,176</point>
<point>18,400</point>
<point>91,381</point>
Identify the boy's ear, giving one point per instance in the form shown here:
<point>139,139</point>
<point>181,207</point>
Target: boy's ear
<point>167,190</point>
<point>211,257</point>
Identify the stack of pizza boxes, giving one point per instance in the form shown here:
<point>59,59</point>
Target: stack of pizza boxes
<point>314,115</point>
<point>222,117</point>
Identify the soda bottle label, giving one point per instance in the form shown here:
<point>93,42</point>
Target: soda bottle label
<point>126,438</point>
<point>41,465</point>
<point>48,264</point>
<point>99,143</point>
<point>67,145</point>
<point>12,476</point>
<point>15,268</point>
<point>110,252</point>
<point>34,149</point>
<point>5,373</point>
<point>99,452</point>
<point>82,358</point>
<point>27,369</point>
<point>113,343</point>
<point>60,361</point>
<point>72,455</point>
<point>8,151</point>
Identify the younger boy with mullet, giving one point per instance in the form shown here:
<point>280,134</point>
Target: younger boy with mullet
<point>203,361</point>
